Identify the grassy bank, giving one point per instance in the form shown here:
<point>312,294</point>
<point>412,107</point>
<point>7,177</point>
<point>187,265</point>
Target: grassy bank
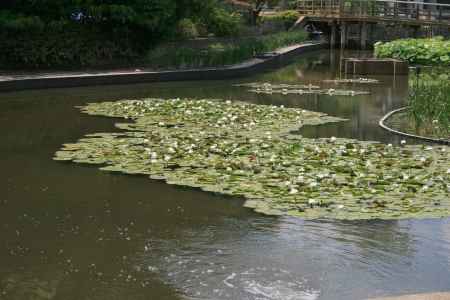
<point>221,53</point>
<point>434,51</point>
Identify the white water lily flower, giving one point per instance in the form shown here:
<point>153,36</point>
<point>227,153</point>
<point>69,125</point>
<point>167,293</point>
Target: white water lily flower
<point>161,124</point>
<point>171,150</point>
<point>229,169</point>
<point>403,142</point>
<point>340,206</point>
<point>389,145</point>
<point>154,155</point>
<point>293,191</point>
<point>313,184</point>
<point>423,159</point>
<point>448,171</point>
<point>228,102</point>
<point>405,177</point>
<point>333,139</point>
<point>312,201</point>
<point>167,157</point>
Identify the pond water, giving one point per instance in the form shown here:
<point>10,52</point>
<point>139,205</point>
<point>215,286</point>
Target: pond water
<point>73,232</point>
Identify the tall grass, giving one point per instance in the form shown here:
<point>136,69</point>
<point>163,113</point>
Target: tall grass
<point>221,54</point>
<point>429,101</point>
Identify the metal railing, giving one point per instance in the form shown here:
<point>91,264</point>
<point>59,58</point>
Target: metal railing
<point>417,12</point>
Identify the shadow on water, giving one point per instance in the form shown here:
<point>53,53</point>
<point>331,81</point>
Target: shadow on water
<point>74,232</point>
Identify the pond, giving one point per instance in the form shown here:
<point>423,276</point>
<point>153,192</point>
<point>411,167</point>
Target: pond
<point>74,232</point>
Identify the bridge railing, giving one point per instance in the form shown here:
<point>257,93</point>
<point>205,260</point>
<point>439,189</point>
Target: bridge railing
<point>377,9</point>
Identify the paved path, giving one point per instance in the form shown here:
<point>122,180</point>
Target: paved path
<point>431,296</point>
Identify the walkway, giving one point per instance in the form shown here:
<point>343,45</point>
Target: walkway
<point>407,12</point>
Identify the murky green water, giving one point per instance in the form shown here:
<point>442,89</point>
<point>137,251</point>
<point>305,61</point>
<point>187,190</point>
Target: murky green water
<point>73,232</point>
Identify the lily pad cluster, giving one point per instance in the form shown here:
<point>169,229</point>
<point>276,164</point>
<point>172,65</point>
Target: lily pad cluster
<point>286,89</point>
<point>361,80</point>
<point>246,150</point>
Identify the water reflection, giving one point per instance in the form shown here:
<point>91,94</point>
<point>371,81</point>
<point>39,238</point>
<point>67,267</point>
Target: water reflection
<point>74,232</point>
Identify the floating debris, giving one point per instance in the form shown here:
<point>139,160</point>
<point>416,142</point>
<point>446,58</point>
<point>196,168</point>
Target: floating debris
<point>351,81</point>
<point>243,149</point>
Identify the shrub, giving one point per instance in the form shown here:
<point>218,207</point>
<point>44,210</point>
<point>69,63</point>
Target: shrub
<point>286,18</point>
<point>220,54</point>
<point>222,23</point>
<point>186,29</point>
<point>434,51</point>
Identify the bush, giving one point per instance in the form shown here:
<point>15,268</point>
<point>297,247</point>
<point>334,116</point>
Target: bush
<point>220,54</point>
<point>434,51</point>
<point>186,29</point>
<point>286,18</point>
<point>222,23</point>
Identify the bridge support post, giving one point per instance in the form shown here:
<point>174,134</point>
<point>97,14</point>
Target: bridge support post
<point>344,35</point>
<point>363,35</point>
<point>333,35</point>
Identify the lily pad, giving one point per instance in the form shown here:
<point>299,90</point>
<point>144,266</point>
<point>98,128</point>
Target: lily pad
<point>246,150</point>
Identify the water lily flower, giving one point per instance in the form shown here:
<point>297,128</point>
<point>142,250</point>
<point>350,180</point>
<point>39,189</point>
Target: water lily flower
<point>402,142</point>
<point>154,155</point>
<point>389,145</point>
<point>171,150</point>
<point>313,184</point>
<point>333,139</point>
<point>229,169</point>
<point>167,157</point>
<point>293,191</point>
<point>228,102</point>
<point>312,202</point>
<point>340,206</point>
<point>161,124</point>
<point>448,171</point>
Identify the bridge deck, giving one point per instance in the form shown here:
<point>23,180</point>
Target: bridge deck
<point>406,12</point>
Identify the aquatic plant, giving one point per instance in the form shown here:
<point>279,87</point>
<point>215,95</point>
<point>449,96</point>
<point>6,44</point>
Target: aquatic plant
<point>434,51</point>
<point>358,80</point>
<point>429,102</point>
<point>298,89</point>
<point>246,150</point>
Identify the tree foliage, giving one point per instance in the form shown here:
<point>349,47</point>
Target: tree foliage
<point>67,32</point>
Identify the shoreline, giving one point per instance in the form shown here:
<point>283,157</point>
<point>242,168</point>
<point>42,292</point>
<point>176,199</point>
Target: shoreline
<point>283,55</point>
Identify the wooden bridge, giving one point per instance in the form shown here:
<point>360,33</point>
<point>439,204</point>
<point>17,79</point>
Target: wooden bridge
<point>341,13</point>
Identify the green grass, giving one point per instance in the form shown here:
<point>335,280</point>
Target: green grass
<point>429,102</point>
<point>434,51</point>
<point>220,54</point>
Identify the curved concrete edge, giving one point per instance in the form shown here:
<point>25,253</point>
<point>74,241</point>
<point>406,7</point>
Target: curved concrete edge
<point>383,125</point>
<point>430,296</point>
<point>235,71</point>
